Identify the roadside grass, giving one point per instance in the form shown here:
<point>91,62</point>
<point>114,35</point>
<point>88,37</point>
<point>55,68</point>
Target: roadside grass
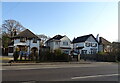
<point>5,58</point>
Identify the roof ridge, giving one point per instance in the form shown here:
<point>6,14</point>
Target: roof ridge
<point>27,33</point>
<point>85,35</point>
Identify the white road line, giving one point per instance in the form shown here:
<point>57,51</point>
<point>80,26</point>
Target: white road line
<point>30,68</point>
<point>93,76</point>
<point>27,68</point>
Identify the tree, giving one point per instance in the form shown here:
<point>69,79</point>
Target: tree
<point>43,38</point>
<point>116,50</point>
<point>11,28</point>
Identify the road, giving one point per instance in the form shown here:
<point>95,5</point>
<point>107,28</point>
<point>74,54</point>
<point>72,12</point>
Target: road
<point>61,72</point>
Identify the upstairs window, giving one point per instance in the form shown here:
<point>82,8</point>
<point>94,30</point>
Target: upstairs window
<point>22,39</point>
<point>34,40</point>
<point>56,43</point>
<point>87,44</point>
<point>94,45</point>
<point>65,43</point>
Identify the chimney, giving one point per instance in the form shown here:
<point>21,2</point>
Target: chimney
<point>97,37</point>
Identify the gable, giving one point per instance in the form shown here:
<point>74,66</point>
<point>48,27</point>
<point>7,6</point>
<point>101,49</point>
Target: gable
<point>65,38</point>
<point>84,38</point>
<point>91,39</point>
<point>26,34</point>
<point>104,41</point>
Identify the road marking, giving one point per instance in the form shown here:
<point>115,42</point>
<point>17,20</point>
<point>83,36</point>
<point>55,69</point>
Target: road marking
<point>94,76</point>
<point>44,67</point>
<point>30,68</point>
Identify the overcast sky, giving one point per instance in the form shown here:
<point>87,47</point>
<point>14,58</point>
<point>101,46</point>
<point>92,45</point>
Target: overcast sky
<point>65,18</point>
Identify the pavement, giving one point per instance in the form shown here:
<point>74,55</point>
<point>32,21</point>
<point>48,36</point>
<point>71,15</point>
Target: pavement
<point>46,63</point>
<point>5,59</point>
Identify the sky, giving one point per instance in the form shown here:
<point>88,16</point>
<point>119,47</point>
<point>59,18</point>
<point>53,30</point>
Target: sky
<point>72,19</point>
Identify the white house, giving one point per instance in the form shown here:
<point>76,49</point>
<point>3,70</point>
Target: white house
<point>25,41</point>
<point>59,42</point>
<point>86,44</point>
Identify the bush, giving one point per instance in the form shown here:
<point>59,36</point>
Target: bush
<point>58,55</point>
<point>102,56</point>
<point>16,55</point>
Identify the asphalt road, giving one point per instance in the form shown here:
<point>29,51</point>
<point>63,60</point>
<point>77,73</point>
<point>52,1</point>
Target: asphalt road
<point>61,72</point>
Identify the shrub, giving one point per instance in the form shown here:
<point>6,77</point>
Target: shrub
<point>16,55</point>
<point>60,56</point>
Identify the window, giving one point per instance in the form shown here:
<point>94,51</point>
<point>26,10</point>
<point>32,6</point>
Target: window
<point>10,49</point>
<point>65,43</point>
<point>87,44</point>
<point>22,39</point>
<point>56,43</point>
<point>34,40</point>
<point>93,51</point>
<point>84,51</point>
<point>93,44</point>
<point>66,52</point>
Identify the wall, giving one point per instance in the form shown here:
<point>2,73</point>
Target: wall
<point>65,39</point>
<point>100,48</point>
<point>28,42</point>
<point>82,44</point>
<point>90,40</point>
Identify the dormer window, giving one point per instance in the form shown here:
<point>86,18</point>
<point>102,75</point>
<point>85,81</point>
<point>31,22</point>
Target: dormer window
<point>22,39</point>
<point>34,40</point>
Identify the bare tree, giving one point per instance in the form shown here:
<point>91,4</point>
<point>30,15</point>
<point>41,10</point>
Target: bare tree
<point>43,38</point>
<point>11,27</point>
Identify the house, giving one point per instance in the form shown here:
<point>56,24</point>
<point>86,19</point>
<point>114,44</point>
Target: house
<point>25,41</point>
<point>86,44</point>
<point>59,42</point>
<point>104,45</point>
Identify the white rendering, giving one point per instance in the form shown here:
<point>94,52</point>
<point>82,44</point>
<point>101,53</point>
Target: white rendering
<point>25,41</point>
<point>85,44</point>
<point>59,42</point>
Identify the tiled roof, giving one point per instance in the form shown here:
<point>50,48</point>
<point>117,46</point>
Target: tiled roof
<point>26,33</point>
<point>104,41</point>
<point>83,38</point>
<point>57,37</point>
